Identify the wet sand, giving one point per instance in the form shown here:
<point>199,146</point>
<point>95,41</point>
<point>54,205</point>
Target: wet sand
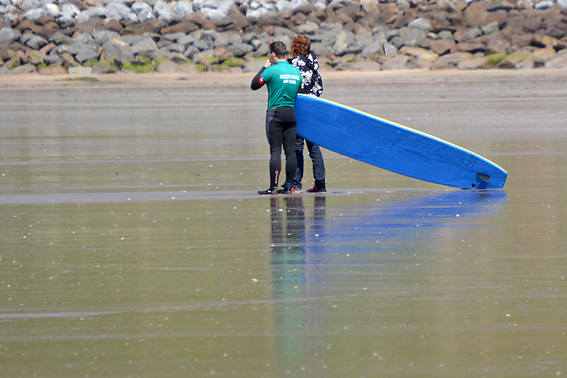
<point>132,242</point>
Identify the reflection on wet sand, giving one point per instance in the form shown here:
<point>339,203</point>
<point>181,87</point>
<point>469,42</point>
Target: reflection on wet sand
<point>304,246</point>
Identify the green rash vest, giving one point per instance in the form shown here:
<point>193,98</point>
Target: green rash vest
<point>283,81</point>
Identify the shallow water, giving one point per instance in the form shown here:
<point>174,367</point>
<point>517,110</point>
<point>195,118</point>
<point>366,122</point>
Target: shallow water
<point>132,242</point>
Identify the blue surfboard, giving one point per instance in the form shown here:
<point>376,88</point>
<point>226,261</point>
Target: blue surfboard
<point>393,147</point>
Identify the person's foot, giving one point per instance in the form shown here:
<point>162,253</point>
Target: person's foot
<point>293,190</point>
<point>316,189</point>
<point>268,191</point>
<point>288,188</point>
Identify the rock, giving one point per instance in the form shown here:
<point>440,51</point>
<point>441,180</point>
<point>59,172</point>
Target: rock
<point>56,70</point>
<point>145,47</point>
<point>476,13</point>
<point>184,27</point>
<point>167,66</point>
<point>451,60</point>
<point>35,57</point>
<point>421,24</point>
<point>442,46</point>
<point>558,61</point>
<point>119,49</point>
<point>475,62</point>
<point>80,70</point>
<point>395,63</point>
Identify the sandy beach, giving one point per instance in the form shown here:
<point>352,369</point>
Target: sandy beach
<point>133,242</point>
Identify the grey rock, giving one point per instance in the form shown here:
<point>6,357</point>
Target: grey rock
<point>445,34</point>
<point>186,40</point>
<point>240,50</point>
<point>86,52</point>
<point>60,38</point>
<point>201,45</point>
<point>119,11</point>
<point>411,36</point>
<point>35,14</point>
<point>68,13</point>
<point>173,36</point>
<point>29,4</point>
<point>372,49</point>
<point>344,40</point>
<point>131,39</point>
<point>52,57</point>
<point>390,50</point>
<point>182,9</point>
<point>24,69</point>
<point>215,10</point>
<point>307,28</point>
<point>164,11</point>
<point>119,49</point>
<point>544,5</point>
<point>35,42</point>
<point>80,70</point>
<point>144,47</point>
<point>490,28</point>
<point>558,61</point>
<point>190,52</point>
<point>421,24</point>
<point>101,36</point>
<point>7,36</point>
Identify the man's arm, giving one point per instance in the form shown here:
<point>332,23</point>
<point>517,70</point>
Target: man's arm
<point>257,81</point>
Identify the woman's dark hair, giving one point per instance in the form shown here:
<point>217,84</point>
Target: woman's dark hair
<point>279,49</point>
<point>301,45</point>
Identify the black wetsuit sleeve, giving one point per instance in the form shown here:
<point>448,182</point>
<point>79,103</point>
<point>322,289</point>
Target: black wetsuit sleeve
<point>256,81</point>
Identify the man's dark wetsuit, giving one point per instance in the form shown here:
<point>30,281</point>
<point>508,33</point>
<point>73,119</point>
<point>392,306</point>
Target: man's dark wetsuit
<point>283,81</point>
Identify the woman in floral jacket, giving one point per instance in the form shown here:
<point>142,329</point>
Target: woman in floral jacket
<point>312,85</point>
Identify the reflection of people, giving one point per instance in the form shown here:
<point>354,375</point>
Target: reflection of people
<point>312,85</point>
<point>283,82</point>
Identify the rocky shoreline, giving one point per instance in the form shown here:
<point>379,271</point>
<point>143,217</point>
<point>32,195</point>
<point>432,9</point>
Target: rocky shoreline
<point>108,36</point>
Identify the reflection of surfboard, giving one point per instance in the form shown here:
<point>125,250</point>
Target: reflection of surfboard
<point>394,147</point>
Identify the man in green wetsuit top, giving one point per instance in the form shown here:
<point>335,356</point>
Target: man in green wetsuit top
<point>283,81</point>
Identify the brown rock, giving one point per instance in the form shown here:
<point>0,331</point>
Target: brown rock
<point>496,45</point>
<point>151,26</point>
<point>35,57</point>
<point>201,20</point>
<point>188,68</point>
<point>439,21</point>
<point>442,46</point>
<point>520,40</point>
<point>470,47</point>
<point>451,60</point>
<point>167,66</point>
<point>56,70</point>
<point>184,27</point>
<point>520,59</point>
<point>45,20</point>
<point>476,14</point>
<point>475,62</point>
<point>396,63</point>
<point>542,56</point>
<point>222,53</point>
<point>29,25</point>
<point>88,27</point>
<point>235,21</point>
<point>113,25</point>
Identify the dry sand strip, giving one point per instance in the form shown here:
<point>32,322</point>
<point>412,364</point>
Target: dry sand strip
<point>38,82</point>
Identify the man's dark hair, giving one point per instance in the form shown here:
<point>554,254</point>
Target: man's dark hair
<point>279,49</point>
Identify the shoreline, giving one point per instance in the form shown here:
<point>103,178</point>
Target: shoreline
<point>39,82</point>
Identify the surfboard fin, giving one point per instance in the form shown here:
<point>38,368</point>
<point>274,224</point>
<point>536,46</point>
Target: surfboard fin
<point>484,178</point>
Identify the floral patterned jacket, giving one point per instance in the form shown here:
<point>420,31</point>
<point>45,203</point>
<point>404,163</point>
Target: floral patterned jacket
<point>309,66</point>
